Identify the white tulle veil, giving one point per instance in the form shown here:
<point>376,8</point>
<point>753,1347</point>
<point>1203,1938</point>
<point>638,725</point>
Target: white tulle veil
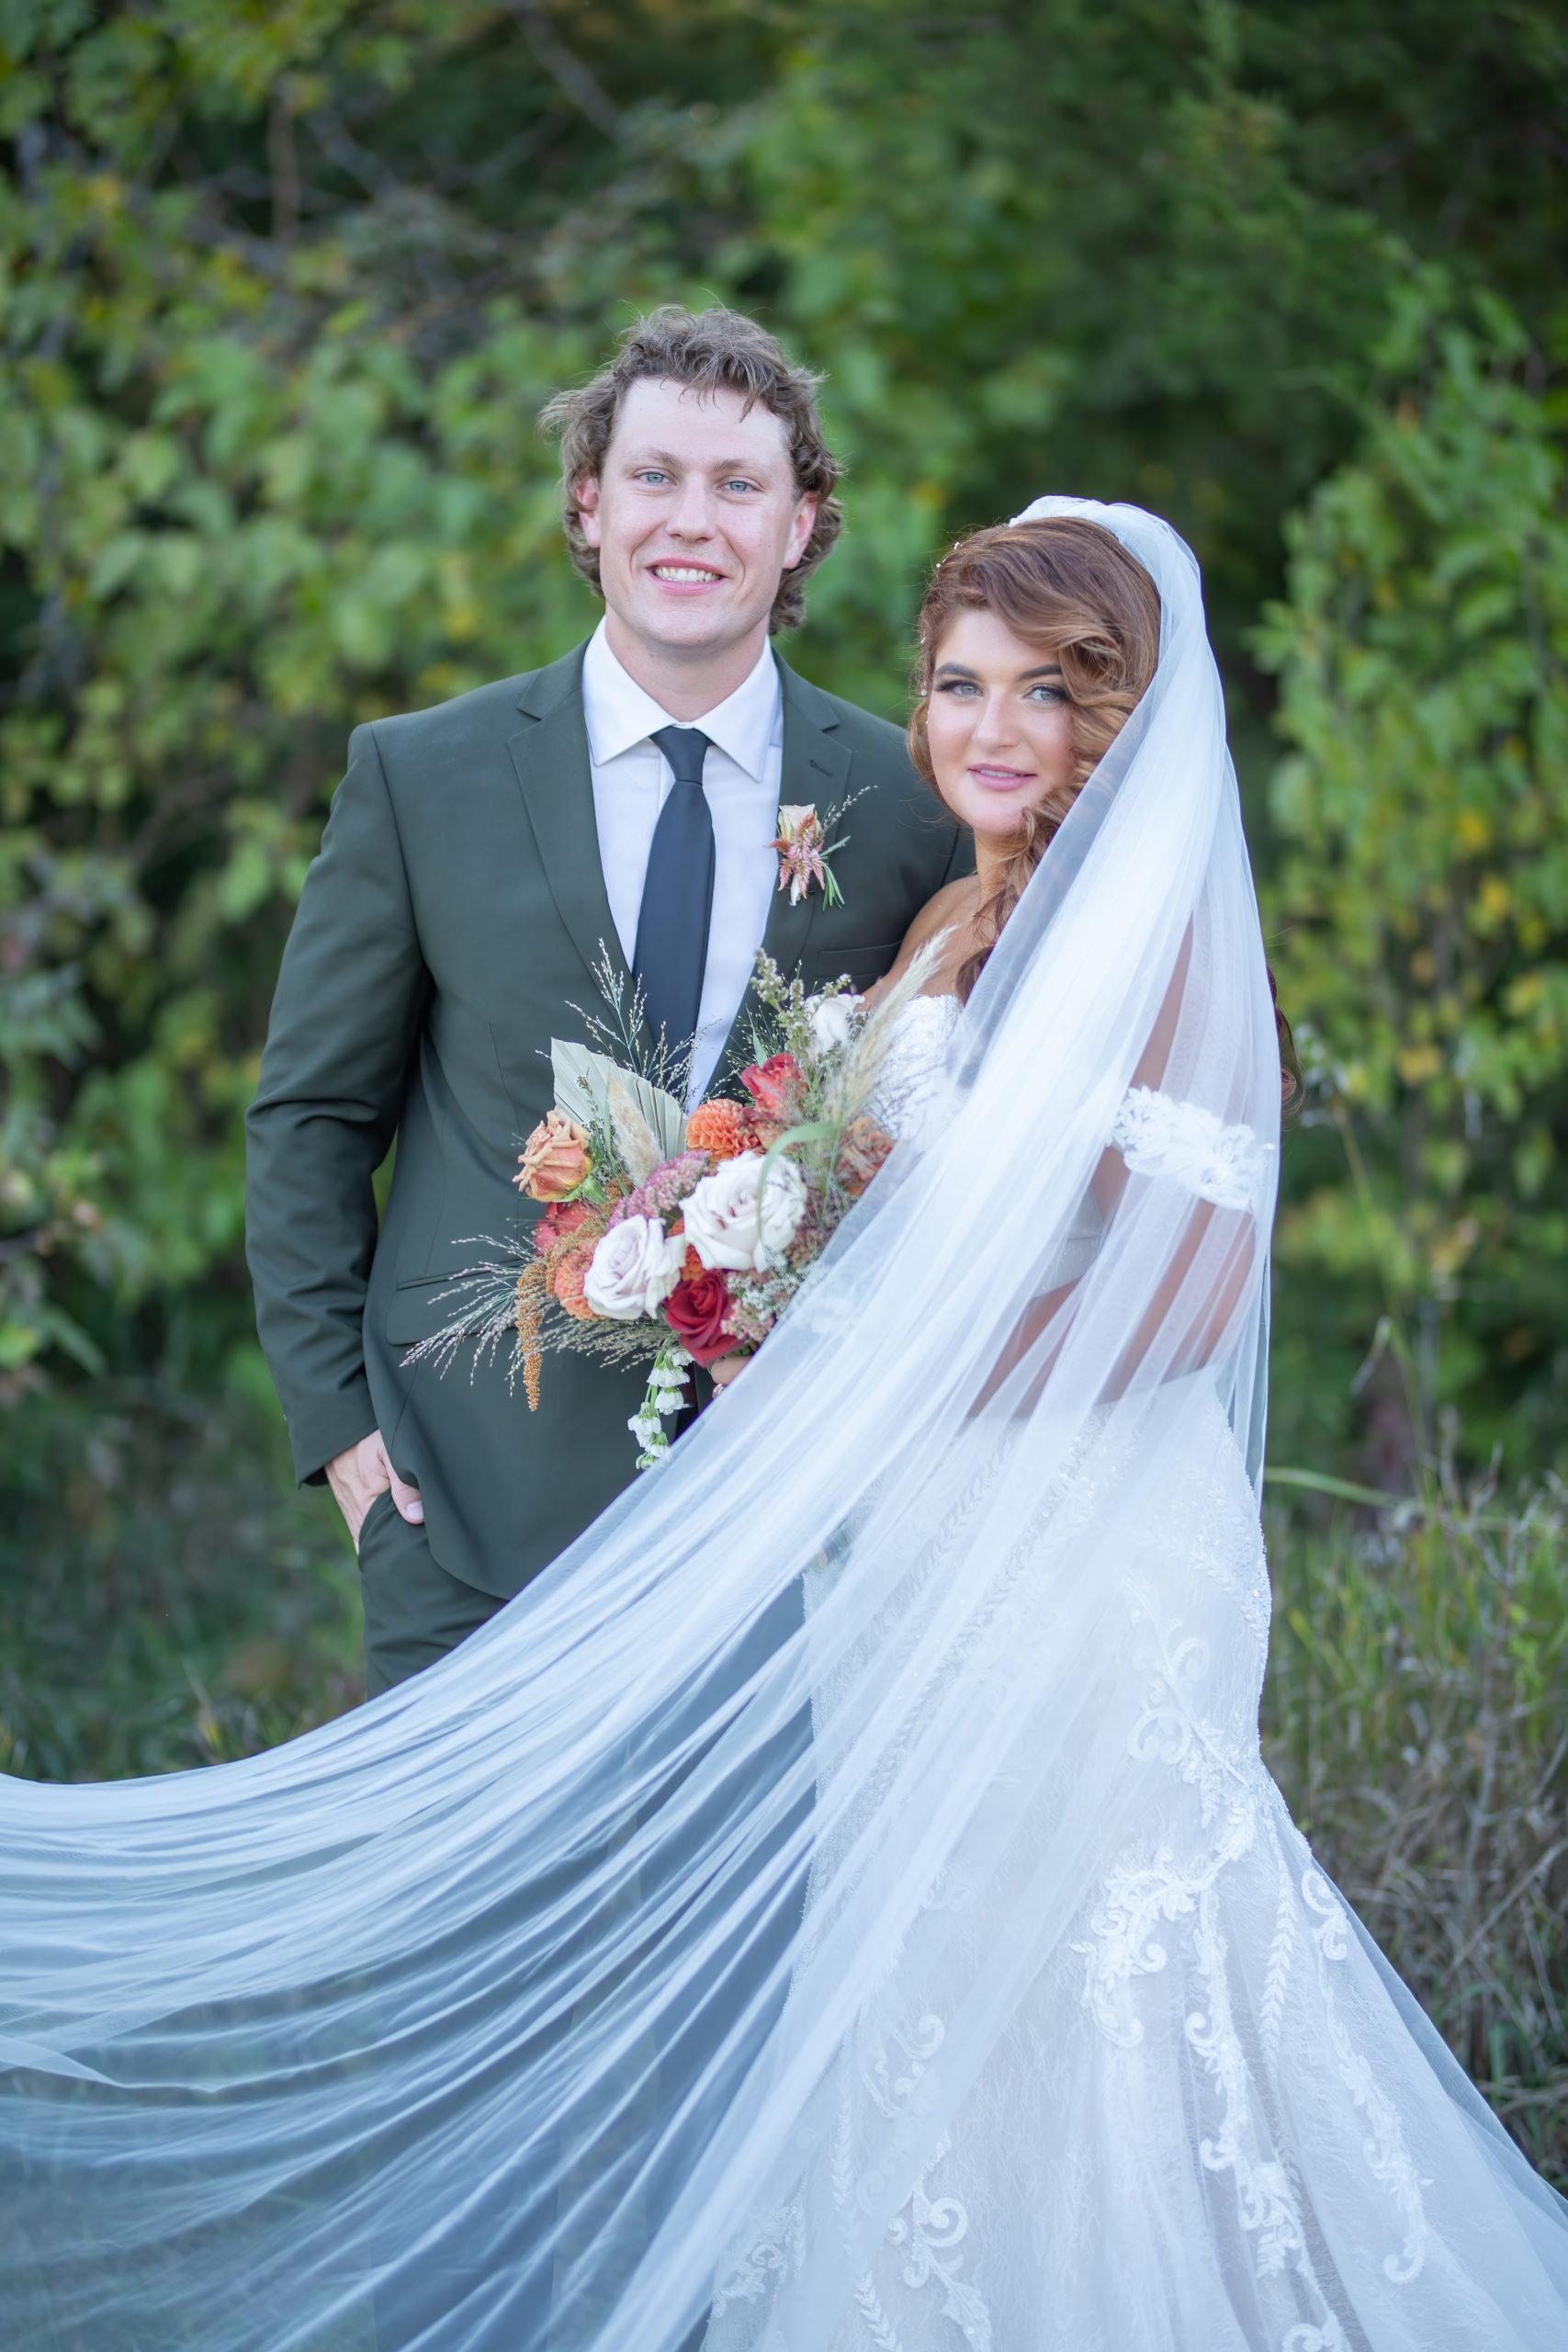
<point>873,1790</point>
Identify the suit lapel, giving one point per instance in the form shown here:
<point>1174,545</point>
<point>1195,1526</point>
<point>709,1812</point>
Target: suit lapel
<point>816,768</point>
<point>550,756</point>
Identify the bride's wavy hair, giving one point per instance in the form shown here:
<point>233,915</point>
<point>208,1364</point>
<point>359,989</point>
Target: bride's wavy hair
<point>1071,588</point>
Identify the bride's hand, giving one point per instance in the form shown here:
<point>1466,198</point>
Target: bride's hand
<point>722,1373</point>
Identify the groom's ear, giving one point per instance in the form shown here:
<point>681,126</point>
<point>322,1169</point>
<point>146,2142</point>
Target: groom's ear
<point>586,491</point>
<point>799,533</point>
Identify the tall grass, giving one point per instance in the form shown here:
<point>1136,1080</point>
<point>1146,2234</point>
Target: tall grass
<point>166,1599</point>
<point>1416,1717</point>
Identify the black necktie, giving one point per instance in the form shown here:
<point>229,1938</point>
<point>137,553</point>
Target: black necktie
<point>677,894</point>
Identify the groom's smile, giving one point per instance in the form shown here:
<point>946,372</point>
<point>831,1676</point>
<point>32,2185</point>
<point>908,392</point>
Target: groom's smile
<point>695,514</point>
<point>686,575</point>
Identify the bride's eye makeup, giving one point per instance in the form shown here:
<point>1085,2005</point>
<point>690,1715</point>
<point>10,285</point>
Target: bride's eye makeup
<point>1043,693</point>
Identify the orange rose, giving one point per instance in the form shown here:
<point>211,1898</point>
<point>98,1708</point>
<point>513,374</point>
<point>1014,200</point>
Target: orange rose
<point>554,1160</point>
<point>722,1129</point>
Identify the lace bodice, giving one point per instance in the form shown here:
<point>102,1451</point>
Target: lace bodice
<point>915,1066</point>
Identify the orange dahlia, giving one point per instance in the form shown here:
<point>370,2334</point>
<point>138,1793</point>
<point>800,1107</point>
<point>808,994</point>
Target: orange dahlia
<point>569,1278</point>
<point>721,1128</point>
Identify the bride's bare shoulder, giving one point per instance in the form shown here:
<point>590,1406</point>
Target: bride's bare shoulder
<point>952,909</point>
<point>954,902</point>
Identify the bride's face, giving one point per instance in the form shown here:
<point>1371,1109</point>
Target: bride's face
<point>998,725</point>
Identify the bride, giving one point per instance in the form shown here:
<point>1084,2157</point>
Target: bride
<point>566,1996</point>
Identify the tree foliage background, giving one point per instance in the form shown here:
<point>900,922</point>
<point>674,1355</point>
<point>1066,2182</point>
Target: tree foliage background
<point>283,283</point>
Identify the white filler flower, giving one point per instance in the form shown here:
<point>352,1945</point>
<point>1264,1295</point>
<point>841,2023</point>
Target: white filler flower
<point>727,1224</point>
<point>635,1268</point>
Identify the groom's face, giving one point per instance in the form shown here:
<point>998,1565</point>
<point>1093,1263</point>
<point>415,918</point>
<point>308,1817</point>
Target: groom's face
<point>695,516</point>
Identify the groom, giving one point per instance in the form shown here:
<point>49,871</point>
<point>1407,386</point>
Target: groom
<point>478,859</point>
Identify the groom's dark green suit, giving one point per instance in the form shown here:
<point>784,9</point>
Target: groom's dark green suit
<point>444,932</point>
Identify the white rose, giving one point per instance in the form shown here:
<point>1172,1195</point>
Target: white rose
<point>635,1268</point>
<point>832,1018</point>
<point>729,1228</point>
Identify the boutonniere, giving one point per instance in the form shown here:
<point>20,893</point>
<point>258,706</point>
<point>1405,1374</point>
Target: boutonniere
<point>803,849</point>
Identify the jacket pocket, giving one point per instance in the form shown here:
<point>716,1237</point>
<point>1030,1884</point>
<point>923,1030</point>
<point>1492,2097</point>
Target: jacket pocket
<point>861,965</point>
<point>422,1305</point>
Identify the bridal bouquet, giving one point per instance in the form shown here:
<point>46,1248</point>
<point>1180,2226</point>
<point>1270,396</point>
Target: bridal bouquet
<point>671,1238</point>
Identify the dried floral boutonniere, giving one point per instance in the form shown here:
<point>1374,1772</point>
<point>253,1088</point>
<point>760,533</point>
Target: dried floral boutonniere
<point>803,849</point>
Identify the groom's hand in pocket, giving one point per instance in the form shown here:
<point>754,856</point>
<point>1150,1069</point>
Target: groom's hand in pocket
<point>362,1471</point>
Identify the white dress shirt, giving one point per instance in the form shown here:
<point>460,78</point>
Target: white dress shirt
<point>741,778</point>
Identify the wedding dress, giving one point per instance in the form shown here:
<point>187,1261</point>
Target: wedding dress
<point>572,1998</point>
<point>1133,2034</point>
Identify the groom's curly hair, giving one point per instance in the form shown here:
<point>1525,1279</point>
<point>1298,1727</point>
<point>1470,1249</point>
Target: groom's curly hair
<point>712,350</point>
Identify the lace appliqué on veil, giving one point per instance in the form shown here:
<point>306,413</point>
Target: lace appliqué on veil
<point>1157,1136</point>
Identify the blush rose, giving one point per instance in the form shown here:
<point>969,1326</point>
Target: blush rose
<point>635,1268</point>
<point>737,1224</point>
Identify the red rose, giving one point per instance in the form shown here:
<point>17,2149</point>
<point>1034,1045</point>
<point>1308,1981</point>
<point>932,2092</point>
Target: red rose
<point>776,1087</point>
<point>561,1219</point>
<point>695,1310</point>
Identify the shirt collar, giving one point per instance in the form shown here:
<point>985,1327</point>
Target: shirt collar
<point>619,715</point>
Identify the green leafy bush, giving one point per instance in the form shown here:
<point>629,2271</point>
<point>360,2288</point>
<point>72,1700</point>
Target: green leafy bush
<point>282,290</point>
<point>1419,900</point>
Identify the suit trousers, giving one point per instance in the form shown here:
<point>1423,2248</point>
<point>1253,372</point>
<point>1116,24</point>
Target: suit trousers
<point>414,1610</point>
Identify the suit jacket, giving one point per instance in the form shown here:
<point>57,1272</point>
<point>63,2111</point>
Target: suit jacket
<point>445,929</point>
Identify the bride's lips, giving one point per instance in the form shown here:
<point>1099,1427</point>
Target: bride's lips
<point>996,779</point>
